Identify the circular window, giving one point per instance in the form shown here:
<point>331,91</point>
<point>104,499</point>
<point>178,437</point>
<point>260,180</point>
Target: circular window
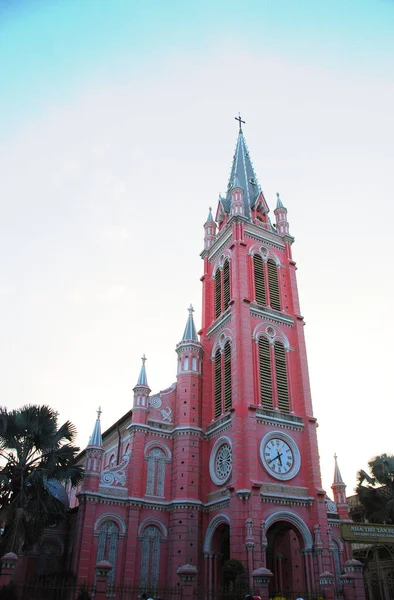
<point>221,461</point>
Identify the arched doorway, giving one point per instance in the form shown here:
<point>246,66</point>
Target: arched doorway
<point>288,540</point>
<point>216,551</point>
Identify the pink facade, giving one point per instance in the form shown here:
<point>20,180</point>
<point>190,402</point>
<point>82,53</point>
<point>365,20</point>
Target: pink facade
<point>224,463</point>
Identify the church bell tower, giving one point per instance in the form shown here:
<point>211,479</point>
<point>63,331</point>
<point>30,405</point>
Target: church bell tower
<point>257,409</point>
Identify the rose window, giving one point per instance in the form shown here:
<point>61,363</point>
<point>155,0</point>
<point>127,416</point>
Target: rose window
<point>223,462</point>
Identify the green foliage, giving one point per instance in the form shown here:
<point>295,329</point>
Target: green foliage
<point>37,454</point>
<point>376,491</point>
<point>231,568</point>
<point>9,592</point>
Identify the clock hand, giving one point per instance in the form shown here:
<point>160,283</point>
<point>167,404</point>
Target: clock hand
<point>275,457</point>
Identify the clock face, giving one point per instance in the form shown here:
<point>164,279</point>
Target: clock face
<point>280,455</point>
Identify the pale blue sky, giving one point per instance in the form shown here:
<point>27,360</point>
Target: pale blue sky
<point>116,134</point>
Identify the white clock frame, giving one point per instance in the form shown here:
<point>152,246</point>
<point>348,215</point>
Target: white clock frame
<point>294,448</point>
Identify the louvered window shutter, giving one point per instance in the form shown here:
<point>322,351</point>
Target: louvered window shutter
<point>226,285</point>
<point>273,284</point>
<point>227,377</point>
<point>265,374</point>
<point>218,384</point>
<point>218,293</point>
<point>281,378</point>
<point>259,280</point>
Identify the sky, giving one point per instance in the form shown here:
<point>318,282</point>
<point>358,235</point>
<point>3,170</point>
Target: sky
<point>117,133</point>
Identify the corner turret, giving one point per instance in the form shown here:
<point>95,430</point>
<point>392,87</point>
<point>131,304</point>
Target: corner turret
<point>141,395</point>
<point>94,458</point>
<point>210,231</point>
<point>189,352</point>
<point>280,212</point>
<point>339,491</point>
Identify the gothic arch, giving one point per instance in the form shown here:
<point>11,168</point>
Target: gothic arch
<point>265,253</point>
<point>221,519</point>
<point>157,444</point>
<point>337,541</point>
<point>272,333</point>
<point>226,255</point>
<point>156,523</point>
<point>295,520</point>
<point>109,517</point>
<point>223,337</point>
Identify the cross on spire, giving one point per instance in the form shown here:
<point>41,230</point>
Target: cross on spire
<point>191,309</point>
<point>239,122</point>
<point>99,412</point>
<point>144,359</point>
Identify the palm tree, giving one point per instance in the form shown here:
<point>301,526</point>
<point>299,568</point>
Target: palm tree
<point>37,456</point>
<point>376,491</point>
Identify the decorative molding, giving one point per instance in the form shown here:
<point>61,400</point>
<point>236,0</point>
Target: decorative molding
<point>221,519</point>
<point>220,322</point>
<point>282,420</point>
<point>271,333</point>
<point>109,517</point>
<point>220,461</point>
<point>257,233</point>
<point>116,474</point>
<point>224,337</point>
<point>295,520</point>
<point>274,316</point>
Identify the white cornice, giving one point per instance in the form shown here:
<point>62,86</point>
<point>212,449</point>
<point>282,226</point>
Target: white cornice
<point>272,315</point>
<point>222,320</point>
<point>263,235</point>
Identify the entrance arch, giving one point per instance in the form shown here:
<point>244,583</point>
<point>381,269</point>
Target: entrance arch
<point>289,544</point>
<point>216,551</point>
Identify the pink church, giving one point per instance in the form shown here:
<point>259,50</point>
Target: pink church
<point>223,463</point>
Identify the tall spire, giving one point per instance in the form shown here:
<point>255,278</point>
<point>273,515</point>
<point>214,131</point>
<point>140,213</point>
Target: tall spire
<point>242,175</point>
<point>96,439</point>
<point>190,333</point>
<point>337,474</point>
<point>210,217</point>
<point>142,379</point>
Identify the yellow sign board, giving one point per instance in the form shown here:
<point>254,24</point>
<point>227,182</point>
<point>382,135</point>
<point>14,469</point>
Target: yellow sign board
<point>367,533</point>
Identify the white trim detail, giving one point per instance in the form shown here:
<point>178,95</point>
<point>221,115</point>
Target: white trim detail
<point>149,521</point>
<point>157,444</point>
<point>225,336</point>
<point>219,264</point>
<point>271,333</point>
<point>109,517</point>
<point>212,459</point>
<point>221,519</point>
<point>294,448</point>
<point>265,253</point>
<point>295,520</point>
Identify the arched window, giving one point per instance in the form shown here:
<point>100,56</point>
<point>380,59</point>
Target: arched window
<point>218,293</point>
<point>273,284</point>
<point>223,383</point>
<point>186,363</point>
<point>194,363</point>
<point>107,548</point>
<point>155,473</point>
<point>218,384</point>
<point>226,285</point>
<point>227,377</point>
<point>265,374</point>
<point>150,559</point>
<point>222,289</point>
<point>259,280</point>
<point>281,378</point>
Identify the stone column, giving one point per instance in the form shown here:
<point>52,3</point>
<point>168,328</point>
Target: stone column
<point>327,587</point>
<point>187,575</point>
<point>8,564</point>
<point>353,581</point>
<point>102,568</point>
<point>261,580</point>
